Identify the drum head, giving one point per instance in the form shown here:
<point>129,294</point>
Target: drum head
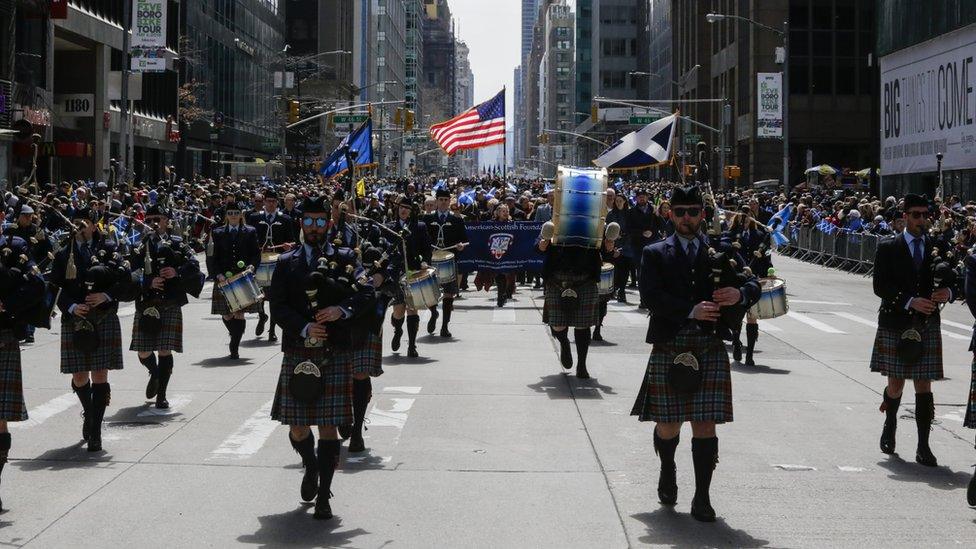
<point>269,257</point>
<point>442,255</point>
<point>771,283</point>
<point>606,267</point>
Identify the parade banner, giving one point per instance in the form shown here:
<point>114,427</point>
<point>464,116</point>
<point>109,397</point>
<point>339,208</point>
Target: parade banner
<point>148,24</point>
<point>769,118</point>
<point>501,246</point>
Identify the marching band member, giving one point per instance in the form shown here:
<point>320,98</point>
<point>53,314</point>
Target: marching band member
<point>688,376</point>
<point>446,231</point>
<point>609,253</point>
<point>236,249</point>
<point>315,380</point>
<point>908,344</point>
<point>94,278</point>
<point>970,419</point>
<point>21,295</point>
<point>275,231</point>
<point>414,236</point>
<point>169,273</point>
<point>754,246</point>
<point>572,299</point>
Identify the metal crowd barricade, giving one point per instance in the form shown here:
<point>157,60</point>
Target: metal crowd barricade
<point>842,249</point>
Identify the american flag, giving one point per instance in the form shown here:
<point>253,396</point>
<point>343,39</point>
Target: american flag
<point>479,126</point>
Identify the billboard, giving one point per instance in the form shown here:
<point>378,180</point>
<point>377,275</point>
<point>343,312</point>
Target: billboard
<point>769,113</point>
<point>928,105</point>
<point>148,24</point>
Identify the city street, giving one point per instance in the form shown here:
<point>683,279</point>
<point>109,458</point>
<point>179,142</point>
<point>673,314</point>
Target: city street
<point>484,441</point>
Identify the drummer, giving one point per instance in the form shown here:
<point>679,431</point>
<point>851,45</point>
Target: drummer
<point>446,231</point>
<point>276,233</point>
<point>414,236</point>
<point>610,254</point>
<point>754,245</point>
<point>236,249</point>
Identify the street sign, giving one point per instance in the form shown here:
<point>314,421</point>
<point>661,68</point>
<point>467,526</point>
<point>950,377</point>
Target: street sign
<point>643,119</point>
<point>272,143</point>
<point>349,118</point>
<point>692,138</point>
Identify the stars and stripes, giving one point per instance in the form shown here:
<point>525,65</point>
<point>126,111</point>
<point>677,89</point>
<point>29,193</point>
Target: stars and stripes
<point>479,126</point>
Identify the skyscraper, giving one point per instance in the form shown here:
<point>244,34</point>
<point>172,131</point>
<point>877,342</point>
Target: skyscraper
<point>530,13</point>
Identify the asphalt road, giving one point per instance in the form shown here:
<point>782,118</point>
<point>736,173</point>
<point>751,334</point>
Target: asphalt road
<point>485,442</point>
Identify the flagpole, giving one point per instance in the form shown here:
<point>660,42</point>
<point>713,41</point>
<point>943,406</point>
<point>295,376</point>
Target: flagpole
<point>505,143</point>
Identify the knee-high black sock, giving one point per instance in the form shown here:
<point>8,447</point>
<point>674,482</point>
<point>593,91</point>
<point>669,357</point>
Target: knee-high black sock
<point>306,449</point>
<point>101,395</point>
<point>237,327</point>
<point>84,394</point>
<point>667,485</point>
<point>448,309</point>
<point>704,454</point>
<point>665,449</point>
<point>603,310</point>
<point>328,455</point>
<point>397,324</point>
<point>582,346</point>
<point>165,372</point>
<point>924,414</point>
<point>413,325</point>
<point>361,391</point>
<point>150,363</point>
<point>890,408</point>
<point>752,334</point>
<point>4,451</point>
<point>565,354</point>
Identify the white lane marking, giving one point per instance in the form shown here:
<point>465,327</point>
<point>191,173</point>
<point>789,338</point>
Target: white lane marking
<point>955,415</point>
<point>809,302</point>
<point>954,335</point>
<point>175,403</point>
<point>42,413</point>
<point>791,467</point>
<point>249,437</point>
<point>855,318</point>
<point>850,469</point>
<point>958,325</point>
<point>504,315</point>
<point>766,326</point>
<point>407,390</point>
<point>394,417</point>
<point>627,311</point>
<point>813,323</point>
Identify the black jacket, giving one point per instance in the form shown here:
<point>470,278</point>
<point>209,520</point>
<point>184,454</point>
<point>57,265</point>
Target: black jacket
<point>970,289</point>
<point>896,281</point>
<point>671,287</point>
<point>453,227</point>
<point>281,227</point>
<point>418,246</point>
<point>638,222</point>
<point>22,290</point>
<point>74,291</point>
<point>233,246</point>
<point>188,280</point>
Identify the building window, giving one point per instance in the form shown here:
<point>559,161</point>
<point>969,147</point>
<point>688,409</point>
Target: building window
<point>562,32</point>
<point>614,47</point>
<point>613,79</point>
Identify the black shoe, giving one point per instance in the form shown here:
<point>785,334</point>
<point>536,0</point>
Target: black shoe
<point>597,336</point>
<point>412,352</point>
<point>565,355</point>
<point>310,483</point>
<point>272,336</point>
<point>924,457</point>
<point>30,339</point>
<point>345,431</point>
<point>152,387</point>
<point>737,350</point>
<point>432,323</point>
<point>501,301</point>
<point>702,511</point>
<point>622,297</point>
<point>971,492</point>
<point>667,486</point>
<point>84,426</point>
<point>537,285</point>
<point>888,438</point>
<point>262,321</point>
<point>95,445</point>
<point>445,332</point>
<point>323,511</point>
<point>750,361</point>
<point>161,402</point>
<point>581,372</point>
<point>397,336</point>
<point>234,355</point>
<point>356,444</point>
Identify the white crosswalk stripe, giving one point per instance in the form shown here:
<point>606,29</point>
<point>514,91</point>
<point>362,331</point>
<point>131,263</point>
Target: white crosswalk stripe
<point>855,318</point>
<point>964,327</point>
<point>814,323</point>
<point>42,413</point>
<point>249,437</point>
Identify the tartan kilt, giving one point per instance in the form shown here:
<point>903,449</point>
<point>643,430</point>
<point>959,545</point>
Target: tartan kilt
<point>656,401</point>
<point>368,358</point>
<point>970,420</point>
<point>108,356</point>
<point>12,405</point>
<point>170,336</point>
<point>884,357</point>
<point>219,305</point>
<point>334,407</point>
<point>584,315</point>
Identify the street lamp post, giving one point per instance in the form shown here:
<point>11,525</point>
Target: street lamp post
<point>785,32</point>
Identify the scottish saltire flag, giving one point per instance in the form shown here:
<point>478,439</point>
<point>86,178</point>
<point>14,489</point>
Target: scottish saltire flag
<point>646,147</point>
<point>466,198</point>
<point>360,141</point>
<point>477,127</point>
<point>781,219</point>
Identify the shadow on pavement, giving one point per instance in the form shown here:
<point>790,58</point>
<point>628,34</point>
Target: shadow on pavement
<point>558,386</point>
<point>404,359</point>
<point>217,362</point>
<point>757,369</point>
<point>59,459</point>
<point>590,388</point>
<point>260,342</point>
<point>297,528</point>
<point>668,527</point>
<point>435,339</point>
<point>131,415</point>
<point>941,477</point>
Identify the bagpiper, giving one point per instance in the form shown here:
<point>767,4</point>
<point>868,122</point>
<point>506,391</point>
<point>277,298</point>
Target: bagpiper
<point>235,250</point>
<point>908,344</point>
<point>970,419</point>
<point>446,232</point>
<point>323,301</point>
<point>169,272</point>
<point>688,376</point>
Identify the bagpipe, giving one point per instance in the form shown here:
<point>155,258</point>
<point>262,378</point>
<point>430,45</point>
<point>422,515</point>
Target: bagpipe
<point>948,272</point>
<point>106,272</point>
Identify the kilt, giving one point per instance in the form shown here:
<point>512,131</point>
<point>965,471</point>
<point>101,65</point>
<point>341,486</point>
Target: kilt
<point>970,420</point>
<point>584,315</point>
<point>334,407</point>
<point>170,336</point>
<point>108,356</point>
<point>219,306</point>
<point>368,358</point>
<point>12,405</point>
<point>656,401</point>
<point>884,358</point>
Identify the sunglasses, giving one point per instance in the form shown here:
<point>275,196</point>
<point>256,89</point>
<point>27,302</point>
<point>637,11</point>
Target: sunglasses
<point>678,211</point>
<point>319,222</point>
<point>917,215</point>
<point>233,212</point>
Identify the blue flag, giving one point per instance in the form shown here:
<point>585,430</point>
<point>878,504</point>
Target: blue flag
<point>360,142</point>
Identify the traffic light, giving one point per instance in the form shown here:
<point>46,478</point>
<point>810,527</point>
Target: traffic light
<point>690,170</point>
<point>397,116</point>
<point>732,172</point>
<point>293,111</point>
<point>594,113</point>
<point>408,121</point>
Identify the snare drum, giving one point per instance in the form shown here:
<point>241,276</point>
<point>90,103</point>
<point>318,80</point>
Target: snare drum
<point>266,269</point>
<point>579,211</point>
<point>606,279</point>
<point>772,303</point>
<point>241,291</point>
<point>421,290</point>
<point>443,263</point>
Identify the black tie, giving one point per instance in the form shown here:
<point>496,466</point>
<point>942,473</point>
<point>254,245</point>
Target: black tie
<point>692,252</point>
<point>917,256</point>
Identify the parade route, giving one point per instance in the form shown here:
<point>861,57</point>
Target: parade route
<point>485,442</point>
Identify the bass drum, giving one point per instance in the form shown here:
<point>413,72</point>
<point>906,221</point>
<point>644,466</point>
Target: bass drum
<point>579,210</point>
<point>772,303</point>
